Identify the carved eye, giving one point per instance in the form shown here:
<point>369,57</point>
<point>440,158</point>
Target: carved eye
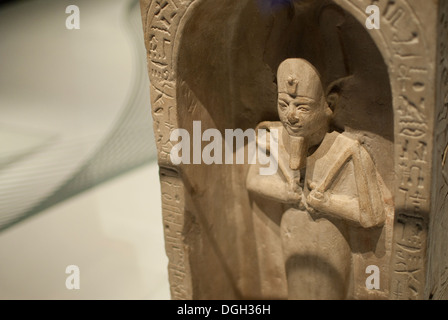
<point>282,104</point>
<point>303,108</point>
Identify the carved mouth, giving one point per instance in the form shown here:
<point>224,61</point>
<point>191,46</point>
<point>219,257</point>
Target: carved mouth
<point>294,128</point>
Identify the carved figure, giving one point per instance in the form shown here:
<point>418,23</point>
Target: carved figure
<point>327,181</point>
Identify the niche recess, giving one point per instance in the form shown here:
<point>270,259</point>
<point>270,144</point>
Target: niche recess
<point>226,78</point>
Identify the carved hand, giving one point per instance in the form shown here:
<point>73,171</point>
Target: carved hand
<point>294,196</point>
<point>316,198</point>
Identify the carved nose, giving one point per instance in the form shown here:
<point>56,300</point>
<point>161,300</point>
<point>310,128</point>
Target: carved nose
<point>292,117</point>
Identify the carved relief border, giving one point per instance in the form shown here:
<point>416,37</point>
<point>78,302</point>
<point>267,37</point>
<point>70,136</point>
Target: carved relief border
<point>402,44</point>
<point>438,256</point>
<point>401,41</point>
<point>161,19</point>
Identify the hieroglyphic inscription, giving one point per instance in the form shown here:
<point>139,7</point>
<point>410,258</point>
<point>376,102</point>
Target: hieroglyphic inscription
<point>402,43</point>
<point>173,220</point>
<point>160,30</point>
<point>412,200</point>
<point>401,40</point>
<point>160,22</point>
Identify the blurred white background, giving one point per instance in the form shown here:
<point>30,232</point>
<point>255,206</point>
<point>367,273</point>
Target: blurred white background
<point>78,175</point>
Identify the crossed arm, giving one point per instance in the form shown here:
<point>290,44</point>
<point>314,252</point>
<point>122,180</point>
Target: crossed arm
<point>367,209</point>
<point>273,187</point>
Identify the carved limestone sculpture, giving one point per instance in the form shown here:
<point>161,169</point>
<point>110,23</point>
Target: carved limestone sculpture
<point>361,187</point>
<point>328,183</point>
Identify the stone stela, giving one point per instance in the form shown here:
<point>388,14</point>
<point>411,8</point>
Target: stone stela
<point>362,124</point>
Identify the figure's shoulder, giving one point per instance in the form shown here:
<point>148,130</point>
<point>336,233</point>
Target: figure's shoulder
<point>340,141</point>
<point>336,144</point>
<point>348,141</point>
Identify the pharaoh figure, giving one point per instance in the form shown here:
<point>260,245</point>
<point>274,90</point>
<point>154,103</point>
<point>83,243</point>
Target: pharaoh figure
<point>327,181</point>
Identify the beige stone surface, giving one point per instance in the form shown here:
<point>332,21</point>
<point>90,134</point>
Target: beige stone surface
<point>333,201</point>
<point>217,61</point>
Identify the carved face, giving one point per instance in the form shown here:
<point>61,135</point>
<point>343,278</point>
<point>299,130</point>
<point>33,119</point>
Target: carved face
<point>301,116</point>
<point>302,106</point>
